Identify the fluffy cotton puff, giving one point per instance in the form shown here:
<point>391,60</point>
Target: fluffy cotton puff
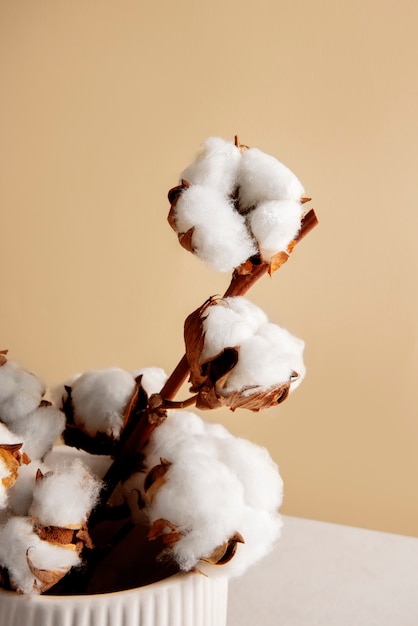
<point>202,498</point>
<point>17,541</point>
<point>220,236</point>
<point>267,359</point>
<point>228,323</point>
<point>39,430</point>
<point>274,225</point>
<point>66,496</point>
<point>20,392</point>
<point>216,166</point>
<point>216,485</point>
<point>290,349</point>
<point>256,470</point>
<point>262,177</point>
<point>153,378</point>
<point>7,436</point>
<point>99,399</point>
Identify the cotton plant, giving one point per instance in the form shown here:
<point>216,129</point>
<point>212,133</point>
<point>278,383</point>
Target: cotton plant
<point>199,494</point>
<point>113,451</point>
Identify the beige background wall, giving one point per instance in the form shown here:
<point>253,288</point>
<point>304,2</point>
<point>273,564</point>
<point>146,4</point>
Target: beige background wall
<point>104,102</point>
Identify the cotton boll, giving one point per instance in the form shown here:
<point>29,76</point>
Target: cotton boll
<point>153,378</point>
<point>262,177</point>
<point>274,225</point>
<point>39,430</point>
<point>20,392</point>
<point>99,399</point>
<point>17,542</point>
<point>216,486</point>
<point>216,166</point>
<point>220,236</point>
<point>228,323</point>
<point>65,497</point>
<point>202,499</point>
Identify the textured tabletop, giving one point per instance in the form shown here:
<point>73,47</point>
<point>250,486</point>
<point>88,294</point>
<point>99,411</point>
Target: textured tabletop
<point>323,574</point>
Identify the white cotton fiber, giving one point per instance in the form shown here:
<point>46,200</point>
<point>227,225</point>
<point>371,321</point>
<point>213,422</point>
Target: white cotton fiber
<point>153,378</point>
<point>17,542</point>
<point>20,392</point>
<point>7,436</point>
<point>99,399</point>
<point>262,177</point>
<point>216,166</point>
<point>268,355</point>
<point>66,496</point>
<point>274,225</point>
<point>202,498</point>
<point>260,530</point>
<point>220,236</point>
<point>21,494</point>
<point>267,359</point>
<point>4,473</point>
<point>216,485</point>
<point>256,470</point>
<point>39,430</point>
<point>289,350</point>
<point>228,323</point>
<point>61,456</point>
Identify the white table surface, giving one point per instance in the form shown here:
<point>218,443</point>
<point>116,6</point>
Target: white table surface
<point>323,574</point>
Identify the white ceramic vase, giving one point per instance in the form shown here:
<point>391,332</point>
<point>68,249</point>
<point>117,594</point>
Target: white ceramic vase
<point>181,600</point>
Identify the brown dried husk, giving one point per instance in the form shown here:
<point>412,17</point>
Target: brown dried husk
<point>45,579</point>
<point>12,466</point>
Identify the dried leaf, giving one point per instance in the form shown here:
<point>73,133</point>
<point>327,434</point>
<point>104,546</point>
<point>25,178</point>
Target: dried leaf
<point>11,463</point>
<point>277,261</point>
<point>194,341</point>
<point>224,553</point>
<point>185,239</point>
<point>239,145</point>
<point>165,530</point>
<point>155,478</point>
<point>45,579</point>
<point>55,534</point>
<point>175,192</point>
<point>258,400</point>
<point>71,538</point>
